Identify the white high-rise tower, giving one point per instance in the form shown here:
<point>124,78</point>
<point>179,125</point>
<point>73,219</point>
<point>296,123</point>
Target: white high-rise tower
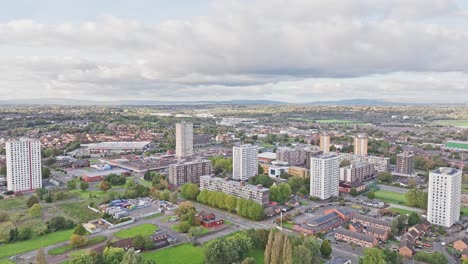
<point>325,176</point>
<point>24,169</point>
<point>184,140</point>
<point>245,162</point>
<point>443,207</point>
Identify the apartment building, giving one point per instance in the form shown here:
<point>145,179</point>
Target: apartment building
<point>245,162</point>
<point>444,196</point>
<point>293,156</point>
<point>325,176</point>
<point>405,163</point>
<point>239,189</point>
<point>325,142</point>
<point>357,172</point>
<point>360,144</point>
<point>373,222</point>
<point>298,172</point>
<point>23,162</point>
<point>354,238</point>
<point>188,172</point>
<point>380,163</point>
<point>184,140</point>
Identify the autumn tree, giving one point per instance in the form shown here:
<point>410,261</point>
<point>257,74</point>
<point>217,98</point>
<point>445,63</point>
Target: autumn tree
<point>77,241</point>
<point>104,186</point>
<point>35,211</point>
<point>40,257</point>
<point>80,230</point>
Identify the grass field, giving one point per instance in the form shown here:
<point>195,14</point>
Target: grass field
<point>85,194</point>
<point>78,211</point>
<point>144,230</point>
<point>66,248</point>
<point>391,197</point>
<point>8,250</point>
<point>455,123</point>
<point>288,225</point>
<point>6,261</point>
<point>400,211</point>
<point>8,203</point>
<point>258,255</point>
<point>183,254</point>
<point>464,210</point>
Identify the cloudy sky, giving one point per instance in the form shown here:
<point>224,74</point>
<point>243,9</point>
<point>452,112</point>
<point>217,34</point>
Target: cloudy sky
<point>291,50</point>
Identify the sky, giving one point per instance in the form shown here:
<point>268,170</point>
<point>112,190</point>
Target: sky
<point>284,50</point>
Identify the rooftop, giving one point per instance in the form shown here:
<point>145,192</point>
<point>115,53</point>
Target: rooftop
<point>446,171</point>
<point>117,145</point>
<point>372,220</point>
<point>235,183</point>
<point>356,235</point>
<point>267,155</point>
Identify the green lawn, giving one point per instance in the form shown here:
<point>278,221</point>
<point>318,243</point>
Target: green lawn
<point>391,197</point>
<point>465,211</point>
<point>400,211</point>
<point>258,255</point>
<point>85,194</point>
<point>9,203</point>
<point>9,250</point>
<point>288,225</point>
<point>78,211</point>
<point>183,254</point>
<point>6,261</point>
<point>455,123</point>
<point>63,249</point>
<point>143,229</point>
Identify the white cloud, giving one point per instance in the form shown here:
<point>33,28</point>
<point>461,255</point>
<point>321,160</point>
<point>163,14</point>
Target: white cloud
<point>281,50</point>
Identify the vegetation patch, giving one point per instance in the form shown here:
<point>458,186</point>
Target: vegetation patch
<point>400,211</point>
<point>78,211</point>
<point>68,247</point>
<point>143,230</point>
<point>258,255</point>
<point>185,253</point>
<point>391,197</point>
<point>455,123</point>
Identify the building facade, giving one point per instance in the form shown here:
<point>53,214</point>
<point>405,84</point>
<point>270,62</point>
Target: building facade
<point>360,144</point>
<point>298,172</point>
<point>184,140</point>
<point>325,142</point>
<point>444,196</point>
<point>380,163</point>
<point>23,162</point>
<point>188,172</point>
<point>245,162</point>
<point>325,176</point>
<point>357,172</point>
<point>239,189</point>
<point>405,163</point>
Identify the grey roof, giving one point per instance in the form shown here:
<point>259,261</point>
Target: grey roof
<point>375,230</point>
<point>372,220</point>
<point>406,243</point>
<point>356,235</point>
<point>323,219</point>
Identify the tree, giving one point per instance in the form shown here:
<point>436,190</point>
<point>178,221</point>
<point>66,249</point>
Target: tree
<point>256,212</point>
<point>80,230</point>
<point>287,251</point>
<point>295,183</point>
<point>84,185</point>
<point>40,192</point>
<point>391,257</point>
<point>385,176</point>
<point>32,201</point>
<point>189,191</point>
<point>268,248</point>
<point>260,169</point>
<point>45,172</point>
<point>71,185</point>
<point>372,256</point>
<point>82,258</point>
<point>4,217</point>
<point>371,195</point>
<point>302,255</point>
<point>3,170</point>
<point>230,202</point>
<point>325,248</point>
<point>413,219</point>
<point>77,241</point>
<point>173,197</point>
<point>148,176</point>
<point>40,257</point>
<point>104,186</point>
<point>131,257</point>
<point>417,198</point>
<point>248,260</point>
<point>35,211</point>
<point>113,255</point>
<point>183,227</point>
<point>353,192</point>
<point>165,195</point>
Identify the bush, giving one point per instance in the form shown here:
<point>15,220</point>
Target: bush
<point>183,227</point>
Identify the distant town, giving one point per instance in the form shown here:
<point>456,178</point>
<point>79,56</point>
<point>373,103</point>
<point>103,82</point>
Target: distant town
<point>234,183</point>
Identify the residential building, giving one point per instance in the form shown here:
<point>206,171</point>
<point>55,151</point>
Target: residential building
<point>188,172</point>
<point>461,244</point>
<point>224,138</point>
<point>371,221</point>
<point>293,156</point>
<point>330,219</point>
<point>115,147</point>
<point>209,219</point>
<point>298,172</point>
<point>444,196</point>
<point>184,140</point>
<point>276,171</point>
<point>200,140</point>
<point>23,162</point>
<point>354,238</point>
<point>380,163</point>
<point>357,172</point>
<point>406,248</point>
<point>245,162</point>
<point>360,144</point>
<point>266,157</point>
<point>239,189</point>
<point>405,163</point>
<point>325,176</point>
<point>313,151</point>
<point>325,142</point>
<point>345,187</point>
<point>379,234</point>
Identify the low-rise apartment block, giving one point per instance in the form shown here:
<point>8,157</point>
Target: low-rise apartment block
<point>354,238</point>
<point>380,163</point>
<point>188,172</point>
<point>298,172</point>
<point>239,189</point>
<point>373,222</point>
<point>357,172</point>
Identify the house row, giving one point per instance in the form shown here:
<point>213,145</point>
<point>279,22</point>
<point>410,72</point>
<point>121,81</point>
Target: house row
<point>331,219</point>
<point>407,241</point>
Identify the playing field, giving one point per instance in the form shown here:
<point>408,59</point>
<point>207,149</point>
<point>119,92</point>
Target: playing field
<point>391,197</point>
<point>8,250</point>
<point>455,123</point>
<point>465,211</point>
<point>144,230</point>
<point>183,254</point>
<point>400,211</point>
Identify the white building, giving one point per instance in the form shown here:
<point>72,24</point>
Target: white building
<point>245,162</point>
<point>325,142</point>
<point>444,196</point>
<point>325,176</point>
<point>23,160</point>
<point>184,140</point>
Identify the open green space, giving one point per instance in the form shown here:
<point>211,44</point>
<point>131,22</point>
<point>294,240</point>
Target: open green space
<point>9,203</point>
<point>264,145</point>
<point>391,197</point>
<point>455,123</point>
<point>288,225</point>
<point>78,211</point>
<point>85,194</point>
<point>68,247</point>
<point>6,261</point>
<point>143,229</point>
<point>400,211</point>
<point>183,254</point>
<point>8,250</point>
<point>464,210</point>
<point>258,255</point>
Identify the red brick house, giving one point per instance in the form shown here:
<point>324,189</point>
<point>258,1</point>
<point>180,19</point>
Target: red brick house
<point>461,244</point>
<point>209,219</point>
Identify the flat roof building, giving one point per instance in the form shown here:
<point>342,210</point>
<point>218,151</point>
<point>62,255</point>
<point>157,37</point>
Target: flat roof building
<point>184,140</point>
<point>188,172</point>
<point>405,163</point>
<point>244,162</point>
<point>360,144</point>
<point>23,163</point>
<point>325,176</point>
